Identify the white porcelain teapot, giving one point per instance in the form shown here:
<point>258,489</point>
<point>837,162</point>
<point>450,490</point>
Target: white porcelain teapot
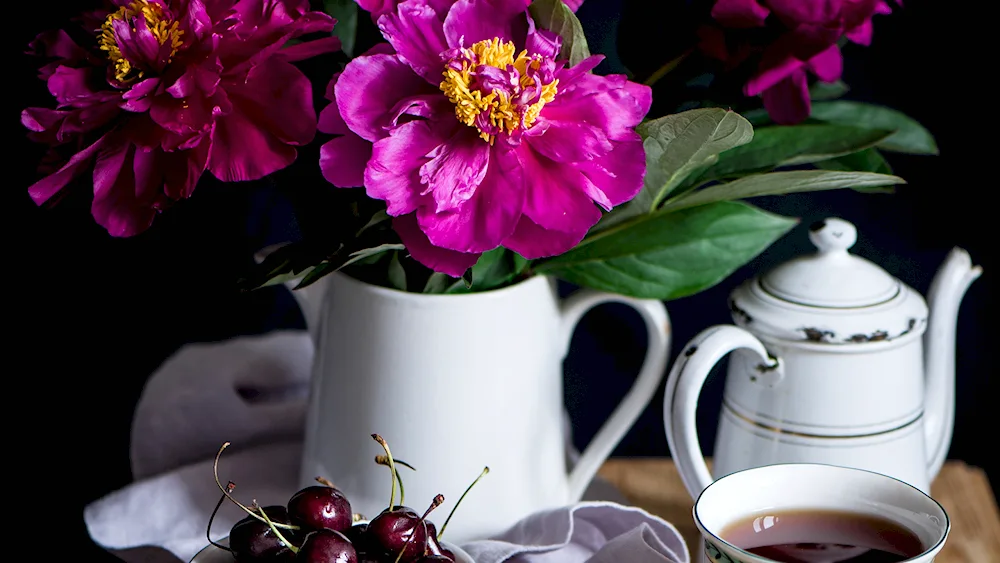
<point>833,361</point>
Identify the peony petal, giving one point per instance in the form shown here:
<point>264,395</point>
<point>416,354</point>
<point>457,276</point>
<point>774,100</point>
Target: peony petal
<point>828,65</point>
<point>183,169</point>
<point>370,87</point>
<point>795,12</point>
<point>568,141</point>
<point>277,97</point>
<point>456,167</point>
<point>44,189</point>
<point>712,42</point>
<point>787,102</point>
<point>439,259</point>
<point>488,217</point>
<point>308,49</point>
<point>768,76</point>
<point>597,101</point>
<point>416,32</point>
<point>242,151</point>
<point>330,121</point>
<point>139,98</point>
<point>202,78</point>
<point>70,86</point>
<point>542,41</point>
<point>393,173</point>
<point>862,33</point>
<point>555,195</point>
<point>58,45</point>
<point>136,42</point>
<point>470,21</point>
<point>616,177</point>
<point>424,105</point>
<point>740,14</point>
<point>573,4</point>
<point>115,206</point>
<point>532,241</point>
<point>343,160</point>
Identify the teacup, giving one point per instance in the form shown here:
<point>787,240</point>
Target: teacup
<point>756,495</point>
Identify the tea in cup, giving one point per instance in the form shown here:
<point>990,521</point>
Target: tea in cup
<point>815,513</point>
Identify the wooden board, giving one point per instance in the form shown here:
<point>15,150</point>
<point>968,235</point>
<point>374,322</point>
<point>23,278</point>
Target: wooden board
<point>654,485</point>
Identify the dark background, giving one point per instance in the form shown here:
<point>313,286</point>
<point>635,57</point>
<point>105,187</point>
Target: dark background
<point>94,316</point>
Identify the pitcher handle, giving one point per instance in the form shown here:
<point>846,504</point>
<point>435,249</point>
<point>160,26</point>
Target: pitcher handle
<point>625,414</point>
<point>680,399</point>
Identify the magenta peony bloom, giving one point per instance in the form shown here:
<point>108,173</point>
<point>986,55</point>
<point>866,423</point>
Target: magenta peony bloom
<point>803,41</point>
<point>378,7</point>
<point>169,89</point>
<point>476,136</point>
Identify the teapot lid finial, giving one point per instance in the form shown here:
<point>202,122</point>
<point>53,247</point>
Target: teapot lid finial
<point>832,277</point>
<point>833,235</point>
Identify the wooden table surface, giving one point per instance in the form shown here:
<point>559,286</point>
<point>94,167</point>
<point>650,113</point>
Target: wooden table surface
<point>654,485</point>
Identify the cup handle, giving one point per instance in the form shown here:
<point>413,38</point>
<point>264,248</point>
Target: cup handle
<point>680,399</point>
<point>625,414</point>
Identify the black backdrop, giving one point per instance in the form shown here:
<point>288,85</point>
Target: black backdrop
<point>93,316</point>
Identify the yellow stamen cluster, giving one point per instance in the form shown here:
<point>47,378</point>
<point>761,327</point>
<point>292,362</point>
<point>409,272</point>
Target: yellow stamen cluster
<point>503,114</point>
<point>163,28</point>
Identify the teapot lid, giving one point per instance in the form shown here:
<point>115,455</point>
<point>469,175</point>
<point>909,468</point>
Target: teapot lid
<point>831,277</point>
<point>830,296</point>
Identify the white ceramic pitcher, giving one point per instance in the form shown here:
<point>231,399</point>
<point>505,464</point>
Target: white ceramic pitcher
<point>455,383</point>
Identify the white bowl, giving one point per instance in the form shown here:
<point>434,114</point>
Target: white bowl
<point>212,554</point>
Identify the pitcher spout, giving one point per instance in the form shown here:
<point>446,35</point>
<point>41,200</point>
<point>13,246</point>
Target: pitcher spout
<point>943,300</point>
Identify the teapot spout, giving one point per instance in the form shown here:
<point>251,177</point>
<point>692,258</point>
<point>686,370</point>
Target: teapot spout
<point>309,298</point>
<point>943,300</point>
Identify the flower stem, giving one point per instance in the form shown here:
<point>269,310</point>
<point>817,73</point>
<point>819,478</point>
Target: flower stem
<point>666,68</point>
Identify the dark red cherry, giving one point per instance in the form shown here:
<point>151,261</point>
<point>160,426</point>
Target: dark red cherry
<point>359,539</point>
<point>253,540</point>
<point>318,507</point>
<point>326,546</point>
<point>433,546</point>
<point>398,531</point>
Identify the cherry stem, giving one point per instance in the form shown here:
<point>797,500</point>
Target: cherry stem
<point>383,460</point>
<point>392,468</point>
<point>467,489</point>
<point>227,493</point>
<point>438,500</point>
<point>274,529</point>
<point>208,531</point>
<point>326,482</point>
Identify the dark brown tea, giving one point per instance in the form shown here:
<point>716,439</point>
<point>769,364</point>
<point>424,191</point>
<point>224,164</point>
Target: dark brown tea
<point>816,536</point>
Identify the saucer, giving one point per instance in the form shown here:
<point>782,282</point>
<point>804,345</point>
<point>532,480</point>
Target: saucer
<point>212,554</point>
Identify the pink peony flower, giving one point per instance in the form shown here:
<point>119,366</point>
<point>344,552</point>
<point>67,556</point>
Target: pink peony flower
<point>378,7</point>
<point>476,136</point>
<point>803,41</point>
<point>169,89</point>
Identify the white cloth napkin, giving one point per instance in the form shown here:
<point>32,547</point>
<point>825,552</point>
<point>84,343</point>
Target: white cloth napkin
<point>251,391</point>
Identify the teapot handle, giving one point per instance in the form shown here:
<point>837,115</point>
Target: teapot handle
<point>680,400</point>
<point>648,381</point>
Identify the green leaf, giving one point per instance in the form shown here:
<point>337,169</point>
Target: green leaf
<point>868,160</point>
<point>340,261</point>
<point>494,269</point>
<point>667,255</point>
<point>556,17</point>
<point>828,90</point>
<point>377,218</point>
<point>396,274</point>
<point>910,137</point>
<point>346,14</point>
<point>776,183</point>
<point>775,146</point>
<point>678,144</point>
